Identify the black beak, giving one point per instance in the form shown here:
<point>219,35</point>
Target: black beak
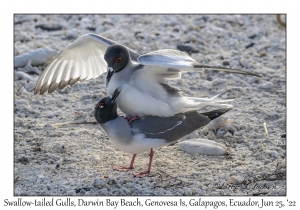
<point>115,95</point>
<point>110,72</point>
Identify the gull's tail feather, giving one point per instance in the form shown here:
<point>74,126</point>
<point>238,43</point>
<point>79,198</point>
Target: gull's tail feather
<point>203,105</point>
<point>209,100</point>
<point>228,70</point>
<point>216,113</point>
<point>196,104</point>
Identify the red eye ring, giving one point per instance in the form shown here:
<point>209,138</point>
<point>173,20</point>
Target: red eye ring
<point>118,59</point>
<point>101,105</point>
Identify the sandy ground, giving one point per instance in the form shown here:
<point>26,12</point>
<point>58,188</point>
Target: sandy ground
<point>78,160</point>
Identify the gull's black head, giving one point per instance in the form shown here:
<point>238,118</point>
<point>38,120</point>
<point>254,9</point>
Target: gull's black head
<point>116,57</point>
<point>106,108</point>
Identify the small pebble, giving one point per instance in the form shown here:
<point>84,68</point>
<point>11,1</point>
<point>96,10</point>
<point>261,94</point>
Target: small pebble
<point>51,115</point>
<point>72,34</point>
<point>266,86</point>
<point>104,191</point>
<point>253,80</point>
<point>236,180</point>
<point>30,86</point>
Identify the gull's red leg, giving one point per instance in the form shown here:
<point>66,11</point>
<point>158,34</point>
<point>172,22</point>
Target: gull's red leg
<point>123,168</point>
<point>130,119</point>
<point>145,173</point>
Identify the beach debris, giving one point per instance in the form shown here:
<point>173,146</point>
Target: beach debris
<point>266,129</point>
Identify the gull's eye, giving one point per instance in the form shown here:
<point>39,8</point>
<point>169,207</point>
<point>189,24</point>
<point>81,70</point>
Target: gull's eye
<point>118,59</point>
<point>101,105</point>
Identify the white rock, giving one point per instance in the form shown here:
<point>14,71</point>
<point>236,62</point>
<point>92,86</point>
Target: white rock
<point>21,101</point>
<point>18,120</point>
<point>49,126</point>
<point>99,29</point>
<point>38,57</point>
<point>104,191</point>
<point>239,133</point>
<point>24,37</point>
<point>273,192</point>
<point>86,22</point>
<point>282,192</point>
<point>267,85</point>
<point>216,81</point>
<point>246,63</point>
<point>20,92</point>
<point>126,191</point>
<point>96,182</point>
<point>203,147</point>
<point>206,84</point>
<point>22,75</point>
<point>274,154</point>
<point>51,115</point>
<point>188,192</point>
<point>30,86</point>
<point>72,34</point>
<point>218,123</point>
<point>71,192</point>
<point>99,183</point>
<point>236,180</point>
<point>191,136</point>
<point>253,80</point>
<point>28,68</point>
<point>18,191</point>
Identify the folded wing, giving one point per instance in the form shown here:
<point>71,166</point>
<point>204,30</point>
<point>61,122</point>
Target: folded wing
<point>169,128</point>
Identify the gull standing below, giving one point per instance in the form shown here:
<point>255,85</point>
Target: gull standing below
<point>149,131</point>
<point>142,78</point>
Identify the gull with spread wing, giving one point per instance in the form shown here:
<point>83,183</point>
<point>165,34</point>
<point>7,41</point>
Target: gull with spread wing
<point>142,78</point>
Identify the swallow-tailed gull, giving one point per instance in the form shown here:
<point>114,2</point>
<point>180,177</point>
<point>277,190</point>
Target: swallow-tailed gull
<point>142,77</point>
<point>148,132</point>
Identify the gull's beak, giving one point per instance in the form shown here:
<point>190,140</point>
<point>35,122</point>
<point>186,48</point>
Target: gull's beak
<point>115,95</point>
<point>110,72</point>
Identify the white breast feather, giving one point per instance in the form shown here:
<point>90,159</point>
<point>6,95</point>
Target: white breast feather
<point>135,103</point>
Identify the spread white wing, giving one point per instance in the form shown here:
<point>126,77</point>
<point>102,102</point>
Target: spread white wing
<point>81,60</point>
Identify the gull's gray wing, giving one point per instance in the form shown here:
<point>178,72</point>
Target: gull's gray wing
<point>169,128</point>
<point>171,63</point>
<point>81,60</point>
